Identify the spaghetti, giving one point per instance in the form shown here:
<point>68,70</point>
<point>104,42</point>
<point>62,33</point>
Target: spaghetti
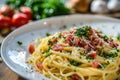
<point>77,54</point>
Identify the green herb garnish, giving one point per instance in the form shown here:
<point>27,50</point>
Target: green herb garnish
<point>105,64</point>
<point>105,38</point>
<point>110,55</point>
<point>49,41</point>
<point>48,49</point>
<point>84,31</point>
<point>75,63</point>
<point>19,43</point>
<point>64,26</point>
<point>48,34</point>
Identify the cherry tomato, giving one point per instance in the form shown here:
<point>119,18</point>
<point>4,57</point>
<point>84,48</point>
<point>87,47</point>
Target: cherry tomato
<point>31,48</point>
<point>19,19</point>
<point>4,22</point>
<point>7,11</point>
<point>95,64</point>
<point>27,11</point>
<point>93,54</point>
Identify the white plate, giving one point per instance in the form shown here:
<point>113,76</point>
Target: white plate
<point>15,56</point>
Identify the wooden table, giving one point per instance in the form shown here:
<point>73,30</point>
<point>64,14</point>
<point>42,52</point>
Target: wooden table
<point>7,74</point>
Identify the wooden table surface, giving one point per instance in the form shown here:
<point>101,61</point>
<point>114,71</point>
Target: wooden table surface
<point>7,74</point>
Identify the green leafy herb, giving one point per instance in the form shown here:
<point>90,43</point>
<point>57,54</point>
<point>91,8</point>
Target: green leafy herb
<point>41,8</point>
<point>84,31</point>
<point>105,64</point>
<point>48,34</point>
<point>105,38</point>
<point>49,41</point>
<point>64,26</point>
<point>75,63</point>
<point>110,55</point>
<point>19,43</point>
<point>60,36</point>
<point>48,50</point>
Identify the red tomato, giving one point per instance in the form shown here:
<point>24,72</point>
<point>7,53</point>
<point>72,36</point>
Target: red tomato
<point>75,77</point>
<point>31,48</point>
<point>27,11</point>
<point>4,22</point>
<point>19,19</point>
<point>93,54</point>
<point>95,64</point>
<point>7,11</point>
<point>39,66</point>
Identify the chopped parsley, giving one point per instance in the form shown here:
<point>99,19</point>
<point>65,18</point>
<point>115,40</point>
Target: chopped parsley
<point>105,64</point>
<point>105,38</point>
<point>48,34</point>
<point>64,26</point>
<point>60,36</point>
<point>75,63</point>
<point>48,49</point>
<point>109,55</point>
<point>19,43</point>
<point>84,31</point>
<point>49,42</point>
<point>116,49</point>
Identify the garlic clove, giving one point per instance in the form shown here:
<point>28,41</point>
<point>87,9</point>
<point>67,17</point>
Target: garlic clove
<point>99,6</point>
<point>114,5</point>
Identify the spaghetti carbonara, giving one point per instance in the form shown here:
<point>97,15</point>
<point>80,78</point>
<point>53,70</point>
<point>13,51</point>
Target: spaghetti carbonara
<point>77,54</point>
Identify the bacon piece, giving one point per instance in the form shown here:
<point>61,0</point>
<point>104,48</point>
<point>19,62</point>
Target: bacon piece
<point>69,39</point>
<point>82,43</point>
<point>113,44</point>
<point>87,48</point>
<point>65,33</point>
<point>57,48</point>
<point>39,65</point>
<point>97,42</point>
<point>92,37</point>
<point>53,40</point>
<point>76,41</point>
<point>76,77</point>
<point>95,64</point>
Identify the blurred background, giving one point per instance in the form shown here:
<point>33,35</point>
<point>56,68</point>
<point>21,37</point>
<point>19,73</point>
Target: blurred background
<point>13,12</point>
